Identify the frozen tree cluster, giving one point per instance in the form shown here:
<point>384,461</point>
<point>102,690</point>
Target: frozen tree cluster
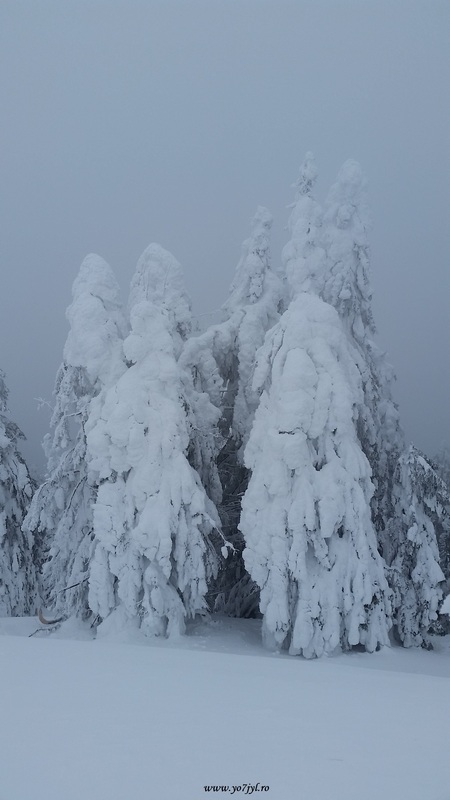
<point>256,468</point>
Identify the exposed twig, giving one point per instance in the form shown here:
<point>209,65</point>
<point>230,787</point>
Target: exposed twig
<point>73,585</point>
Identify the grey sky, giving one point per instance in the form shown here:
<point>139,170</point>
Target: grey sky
<point>129,122</point>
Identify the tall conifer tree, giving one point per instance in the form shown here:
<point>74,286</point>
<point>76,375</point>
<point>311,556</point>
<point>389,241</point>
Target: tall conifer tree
<point>405,502</point>
<point>61,511</point>
<point>154,523</point>
<point>347,287</point>
<point>310,542</point>
<point>17,573</point>
<point>420,500</point>
<point>250,311</point>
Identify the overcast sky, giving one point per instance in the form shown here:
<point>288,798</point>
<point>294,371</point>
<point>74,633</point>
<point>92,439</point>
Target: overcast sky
<point>124,123</point>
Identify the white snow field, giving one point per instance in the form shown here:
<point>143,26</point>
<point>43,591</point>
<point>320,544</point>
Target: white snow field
<point>121,717</point>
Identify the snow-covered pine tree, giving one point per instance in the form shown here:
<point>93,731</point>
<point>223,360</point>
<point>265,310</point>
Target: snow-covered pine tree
<point>17,573</point>
<point>406,535</point>
<point>310,542</point>
<point>249,312</point>
<point>441,463</point>
<point>251,309</point>
<point>441,521</point>
<point>347,287</point>
<point>303,257</point>
<point>61,510</point>
<point>420,501</point>
<point>153,519</point>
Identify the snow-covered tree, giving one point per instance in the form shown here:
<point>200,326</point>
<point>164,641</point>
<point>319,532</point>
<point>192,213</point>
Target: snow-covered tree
<point>249,312</point>
<point>441,462</point>
<point>310,542</point>
<point>420,497</point>
<point>159,279</point>
<point>303,257</point>
<point>347,287</point>
<point>61,510</point>
<point>17,574</point>
<point>153,520</point>
<point>408,505</point>
<point>441,520</point>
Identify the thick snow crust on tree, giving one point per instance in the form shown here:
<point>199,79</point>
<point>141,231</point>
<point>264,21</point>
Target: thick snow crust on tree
<point>414,571</point>
<point>97,322</point>
<point>60,515</point>
<point>153,520</point>
<point>159,279</point>
<point>347,286</point>
<point>310,543</point>
<point>304,257</point>
<point>17,572</point>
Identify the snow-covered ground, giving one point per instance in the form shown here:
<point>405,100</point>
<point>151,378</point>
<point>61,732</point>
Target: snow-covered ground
<point>121,718</point>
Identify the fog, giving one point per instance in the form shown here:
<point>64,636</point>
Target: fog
<point>124,123</point>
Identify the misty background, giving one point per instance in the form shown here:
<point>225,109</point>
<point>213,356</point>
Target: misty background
<point>128,122</point>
